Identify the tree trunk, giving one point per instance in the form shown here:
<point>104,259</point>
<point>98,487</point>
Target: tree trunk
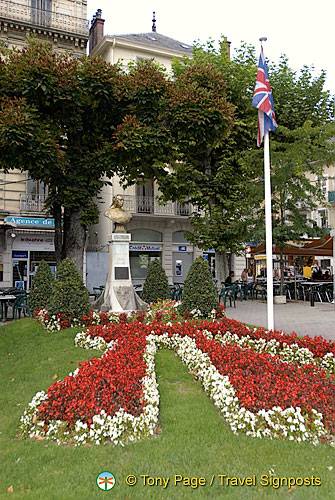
<point>221,266</point>
<point>74,241</point>
<point>57,213</point>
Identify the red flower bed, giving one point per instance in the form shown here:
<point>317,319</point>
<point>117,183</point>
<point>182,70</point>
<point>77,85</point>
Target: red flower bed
<point>317,345</point>
<point>262,381</point>
<point>109,383</point>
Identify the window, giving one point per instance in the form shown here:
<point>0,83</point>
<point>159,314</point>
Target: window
<point>323,218</point>
<point>36,188</point>
<point>179,237</point>
<point>41,12</point>
<point>322,181</point>
<point>146,236</point>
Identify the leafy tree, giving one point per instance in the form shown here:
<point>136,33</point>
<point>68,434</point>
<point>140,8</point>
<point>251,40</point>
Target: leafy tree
<point>64,121</point>
<point>199,292</point>
<point>41,290</point>
<point>212,122</point>
<point>70,296</point>
<point>56,112</point>
<point>156,285</point>
<point>300,147</point>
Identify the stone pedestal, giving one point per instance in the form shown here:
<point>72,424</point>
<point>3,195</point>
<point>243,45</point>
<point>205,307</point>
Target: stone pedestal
<point>119,294</point>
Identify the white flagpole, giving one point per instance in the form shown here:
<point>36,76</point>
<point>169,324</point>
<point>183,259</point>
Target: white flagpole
<point>268,232</point>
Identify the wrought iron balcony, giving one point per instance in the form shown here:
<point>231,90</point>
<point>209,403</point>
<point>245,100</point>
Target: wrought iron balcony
<point>15,11</point>
<point>32,202</point>
<point>148,205</point>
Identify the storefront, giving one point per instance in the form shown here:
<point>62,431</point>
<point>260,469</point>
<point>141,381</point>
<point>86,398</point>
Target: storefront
<point>146,245</point>
<point>31,241</point>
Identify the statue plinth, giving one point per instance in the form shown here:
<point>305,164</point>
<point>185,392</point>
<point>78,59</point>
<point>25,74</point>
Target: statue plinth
<point>119,294</point>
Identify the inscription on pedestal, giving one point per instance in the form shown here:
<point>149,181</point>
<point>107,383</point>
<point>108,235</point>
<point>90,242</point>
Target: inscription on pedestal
<point>121,273</point>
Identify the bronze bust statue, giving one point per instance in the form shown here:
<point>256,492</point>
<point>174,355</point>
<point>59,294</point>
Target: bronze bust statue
<point>117,214</point>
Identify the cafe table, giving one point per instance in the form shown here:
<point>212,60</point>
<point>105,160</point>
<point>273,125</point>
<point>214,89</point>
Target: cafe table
<point>4,300</point>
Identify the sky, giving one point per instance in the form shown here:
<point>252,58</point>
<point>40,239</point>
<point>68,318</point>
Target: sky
<point>301,29</point>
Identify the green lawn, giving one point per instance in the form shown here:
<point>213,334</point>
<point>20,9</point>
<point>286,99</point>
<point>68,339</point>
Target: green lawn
<point>195,441</point>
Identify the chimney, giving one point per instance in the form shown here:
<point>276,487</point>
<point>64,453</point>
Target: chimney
<point>96,30</point>
<point>225,45</point>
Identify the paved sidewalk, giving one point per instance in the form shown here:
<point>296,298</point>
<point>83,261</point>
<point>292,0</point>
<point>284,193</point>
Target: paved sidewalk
<point>299,317</point>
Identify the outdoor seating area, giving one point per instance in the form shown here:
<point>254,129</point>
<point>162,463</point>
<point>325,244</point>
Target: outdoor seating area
<point>299,289</point>
<point>13,303</point>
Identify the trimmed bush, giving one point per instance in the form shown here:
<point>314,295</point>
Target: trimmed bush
<point>41,290</point>
<point>70,296</point>
<point>199,292</point>
<point>156,286</point>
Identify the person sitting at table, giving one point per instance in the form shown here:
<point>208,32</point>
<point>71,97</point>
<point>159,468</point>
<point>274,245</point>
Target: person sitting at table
<point>229,280</point>
<point>244,275</point>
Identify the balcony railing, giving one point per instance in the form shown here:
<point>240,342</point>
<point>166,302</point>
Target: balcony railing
<point>32,202</point>
<point>150,206</point>
<point>38,17</point>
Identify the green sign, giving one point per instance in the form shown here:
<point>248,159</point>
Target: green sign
<point>143,261</point>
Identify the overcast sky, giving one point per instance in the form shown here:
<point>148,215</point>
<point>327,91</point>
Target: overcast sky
<point>301,29</point>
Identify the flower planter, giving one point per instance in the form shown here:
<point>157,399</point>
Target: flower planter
<point>280,299</point>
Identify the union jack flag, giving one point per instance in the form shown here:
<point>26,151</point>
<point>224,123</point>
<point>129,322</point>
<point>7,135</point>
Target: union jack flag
<point>263,101</point>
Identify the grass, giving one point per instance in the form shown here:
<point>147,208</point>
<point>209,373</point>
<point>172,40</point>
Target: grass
<point>195,441</point>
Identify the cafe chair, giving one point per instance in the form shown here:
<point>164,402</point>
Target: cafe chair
<point>97,291</point>
<point>228,292</point>
<point>20,305</point>
<point>260,289</point>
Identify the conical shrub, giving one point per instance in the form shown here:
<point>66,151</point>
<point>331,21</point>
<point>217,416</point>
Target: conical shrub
<point>156,285</point>
<point>199,292</point>
<point>70,296</point>
<point>40,293</point>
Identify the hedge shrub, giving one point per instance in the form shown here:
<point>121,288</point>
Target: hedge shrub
<point>70,296</point>
<point>156,285</point>
<point>41,289</point>
<point>199,292</point>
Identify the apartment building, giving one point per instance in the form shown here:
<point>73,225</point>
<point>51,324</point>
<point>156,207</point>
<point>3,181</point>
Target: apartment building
<point>62,23</point>
<point>26,232</point>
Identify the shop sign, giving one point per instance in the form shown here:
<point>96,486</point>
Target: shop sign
<point>19,255</point>
<point>182,248</point>
<point>145,248</point>
<point>37,242</point>
<point>31,221</point>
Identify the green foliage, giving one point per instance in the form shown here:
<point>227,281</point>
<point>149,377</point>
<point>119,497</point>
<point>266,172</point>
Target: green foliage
<point>156,286</point>
<point>199,291</point>
<point>70,296</point>
<point>41,290</point>
<point>90,215</point>
<point>212,174</point>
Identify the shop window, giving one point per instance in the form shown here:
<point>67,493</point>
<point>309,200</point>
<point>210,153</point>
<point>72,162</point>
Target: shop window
<point>140,263</point>
<point>1,272</point>
<point>146,236</point>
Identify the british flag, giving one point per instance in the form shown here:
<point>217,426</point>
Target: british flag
<point>263,101</point>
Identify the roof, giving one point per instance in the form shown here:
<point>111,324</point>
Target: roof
<point>157,40</point>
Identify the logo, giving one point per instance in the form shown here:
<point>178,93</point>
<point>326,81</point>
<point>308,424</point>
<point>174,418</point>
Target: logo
<point>105,481</point>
